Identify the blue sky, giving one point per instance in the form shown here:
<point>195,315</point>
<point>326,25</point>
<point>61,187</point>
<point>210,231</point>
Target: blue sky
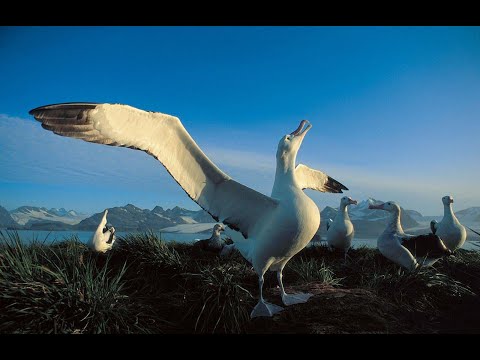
<point>395,110</point>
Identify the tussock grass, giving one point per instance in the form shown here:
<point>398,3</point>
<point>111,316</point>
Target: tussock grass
<point>147,285</point>
<point>225,302</point>
<point>61,289</point>
<point>311,269</point>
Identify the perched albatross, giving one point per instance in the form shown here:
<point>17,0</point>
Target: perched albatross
<point>407,250</point>
<point>340,231</point>
<point>449,229</point>
<point>215,243</point>
<point>104,237</point>
<point>275,227</point>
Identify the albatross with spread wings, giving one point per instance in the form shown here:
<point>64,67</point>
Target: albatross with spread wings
<point>275,227</point>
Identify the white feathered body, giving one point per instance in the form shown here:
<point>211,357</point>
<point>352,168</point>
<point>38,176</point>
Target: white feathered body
<point>99,241</point>
<point>452,233</point>
<point>340,233</point>
<point>389,245</point>
<point>290,228</point>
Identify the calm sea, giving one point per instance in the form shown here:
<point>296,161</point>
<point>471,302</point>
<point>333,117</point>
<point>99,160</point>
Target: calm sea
<point>50,236</point>
<point>84,236</point>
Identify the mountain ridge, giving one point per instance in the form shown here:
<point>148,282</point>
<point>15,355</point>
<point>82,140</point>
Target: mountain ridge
<point>367,223</point>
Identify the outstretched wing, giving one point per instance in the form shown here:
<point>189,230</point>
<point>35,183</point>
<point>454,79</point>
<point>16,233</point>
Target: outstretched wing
<point>308,178</point>
<point>164,137</point>
<point>433,226</point>
<point>103,222</point>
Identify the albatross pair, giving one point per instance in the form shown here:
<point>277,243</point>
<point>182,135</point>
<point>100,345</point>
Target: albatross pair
<point>275,227</point>
<point>409,251</point>
<point>104,237</point>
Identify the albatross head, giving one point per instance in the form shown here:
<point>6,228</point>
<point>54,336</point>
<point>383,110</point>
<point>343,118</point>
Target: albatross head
<point>347,200</point>
<point>217,229</point>
<point>289,144</point>
<point>109,227</point>
<point>109,234</point>
<point>390,206</point>
<point>447,200</point>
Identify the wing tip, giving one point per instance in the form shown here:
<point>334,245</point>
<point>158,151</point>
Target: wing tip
<point>336,186</point>
<point>90,105</point>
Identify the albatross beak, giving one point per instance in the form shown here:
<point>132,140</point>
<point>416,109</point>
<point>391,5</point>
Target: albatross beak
<point>299,132</point>
<point>353,202</point>
<point>381,206</point>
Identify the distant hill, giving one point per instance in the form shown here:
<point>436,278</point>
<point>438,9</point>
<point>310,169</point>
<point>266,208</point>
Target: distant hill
<point>132,218</point>
<point>368,223</point>
<point>6,220</point>
<point>470,215</point>
<point>28,215</point>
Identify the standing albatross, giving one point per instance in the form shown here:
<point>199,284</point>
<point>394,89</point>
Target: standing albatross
<point>340,231</point>
<point>275,227</point>
<point>449,229</point>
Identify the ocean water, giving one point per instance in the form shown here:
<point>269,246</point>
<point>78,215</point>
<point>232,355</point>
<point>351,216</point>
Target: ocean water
<point>55,236</point>
<point>84,236</point>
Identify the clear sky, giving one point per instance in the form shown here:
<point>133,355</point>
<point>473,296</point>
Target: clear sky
<point>395,110</point>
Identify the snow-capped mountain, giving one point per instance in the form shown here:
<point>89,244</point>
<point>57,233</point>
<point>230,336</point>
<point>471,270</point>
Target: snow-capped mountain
<point>132,218</point>
<point>64,213</point>
<point>27,215</point>
<point>367,223</point>
<point>362,212</point>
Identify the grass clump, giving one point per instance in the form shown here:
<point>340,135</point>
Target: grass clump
<point>311,269</point>
<point>62,289</point>
<point>219,298</point>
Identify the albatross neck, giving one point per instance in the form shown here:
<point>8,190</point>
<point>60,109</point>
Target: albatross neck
<point>343,211</point>
<point>394,225</point>
<point>285,180</point>
<point>216,235</point>
<point>448,211</point>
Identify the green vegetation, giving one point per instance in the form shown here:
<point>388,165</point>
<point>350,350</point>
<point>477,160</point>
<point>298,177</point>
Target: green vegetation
<point>145,285</point>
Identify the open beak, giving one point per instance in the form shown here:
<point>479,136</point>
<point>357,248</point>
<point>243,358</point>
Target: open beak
<point>299,131</point>
<point>380,207</point>
<point>451,200</point>
<point>353,202</point>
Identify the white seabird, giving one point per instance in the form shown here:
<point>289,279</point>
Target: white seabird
<point>340,231</point>
<point>275,227</point>
<point>104,237</point>
<point>449,229</point>
<point>407,250</point>
<point>215,243</point>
